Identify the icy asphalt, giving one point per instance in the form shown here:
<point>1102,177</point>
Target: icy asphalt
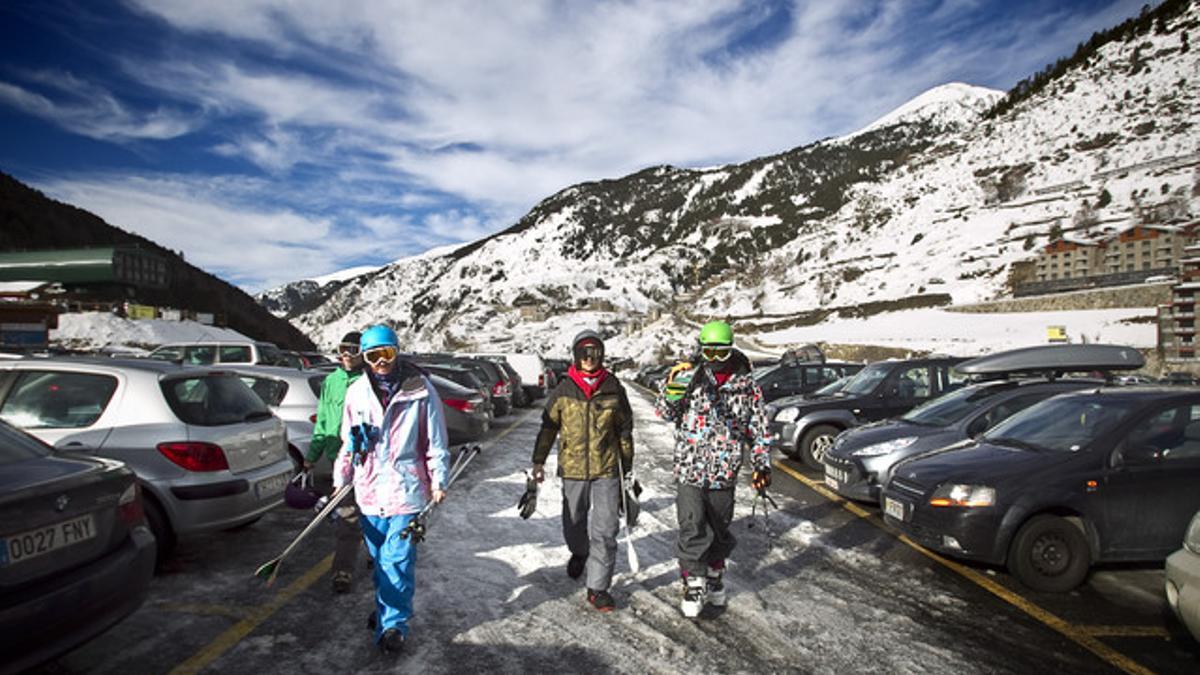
<point>830,594</point>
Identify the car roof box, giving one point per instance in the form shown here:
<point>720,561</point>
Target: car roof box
<point>1054,360</point>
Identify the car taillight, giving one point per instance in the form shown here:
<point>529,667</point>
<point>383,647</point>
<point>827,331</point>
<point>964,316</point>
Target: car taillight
<point>498,389</point>
<point>312,418</point>
<point>195,456</point>
<point>460,404</point>
<point>541,380</point>
<point>129,506</point>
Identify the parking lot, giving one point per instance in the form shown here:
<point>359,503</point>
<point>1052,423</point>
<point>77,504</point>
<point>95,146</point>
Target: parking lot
<point>820,586</point>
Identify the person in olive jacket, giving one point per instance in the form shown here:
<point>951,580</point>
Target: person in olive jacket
<point>327,441</point>
<point>589,412</point>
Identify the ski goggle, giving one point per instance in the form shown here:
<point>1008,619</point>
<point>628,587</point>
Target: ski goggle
<point>348,349</point>
<point>715,352</point>
<point>586,352</point>
<point>380,355</point>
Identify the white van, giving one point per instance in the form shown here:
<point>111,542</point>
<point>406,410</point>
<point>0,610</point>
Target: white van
<point>532,370</point>
<point>209,352</point>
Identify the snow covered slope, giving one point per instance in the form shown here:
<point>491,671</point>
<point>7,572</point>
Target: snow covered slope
<point>933,200</point>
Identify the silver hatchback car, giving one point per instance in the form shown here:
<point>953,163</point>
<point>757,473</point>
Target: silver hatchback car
<point>207,452</point>
<point>293,395</point>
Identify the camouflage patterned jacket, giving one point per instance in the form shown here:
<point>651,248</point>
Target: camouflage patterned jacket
<point>590,431</point>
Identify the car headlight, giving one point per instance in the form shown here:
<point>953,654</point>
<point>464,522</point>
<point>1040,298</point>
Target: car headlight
<point>949,494</point>
<point>1191,540</point>
<point>787,415</point>
<point>884,448</point>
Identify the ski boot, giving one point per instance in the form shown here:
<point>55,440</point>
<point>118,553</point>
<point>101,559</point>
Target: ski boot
<point>695,590</point>
<point>341,581</point>
<point>392,641</point>
<point>715,587</point>
<point>601,600</point>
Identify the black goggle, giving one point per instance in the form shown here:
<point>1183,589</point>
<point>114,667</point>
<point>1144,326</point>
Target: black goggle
<point>586,352</point>
<point>348,349</point>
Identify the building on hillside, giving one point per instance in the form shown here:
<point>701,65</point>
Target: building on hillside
<point>1130,256</point>
<point>1177,320</point>
<point>89,271</point>
<point>26,317</point>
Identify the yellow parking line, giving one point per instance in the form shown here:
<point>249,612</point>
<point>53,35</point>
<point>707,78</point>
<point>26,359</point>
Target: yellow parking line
<point>254,617</point>
<point>1125,631</point>
<point>1073,633</point>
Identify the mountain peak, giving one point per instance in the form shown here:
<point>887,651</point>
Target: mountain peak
<point>952,103</point>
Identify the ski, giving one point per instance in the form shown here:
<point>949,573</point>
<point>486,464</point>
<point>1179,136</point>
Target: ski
<point>270,569</point>
<point>635,565</point>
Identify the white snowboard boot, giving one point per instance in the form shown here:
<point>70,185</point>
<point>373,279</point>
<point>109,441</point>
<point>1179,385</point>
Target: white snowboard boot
<point>695,589</point>
<point>715,588</point>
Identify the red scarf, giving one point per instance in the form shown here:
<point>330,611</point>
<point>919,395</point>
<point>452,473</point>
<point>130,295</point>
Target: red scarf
<point>589,383</point>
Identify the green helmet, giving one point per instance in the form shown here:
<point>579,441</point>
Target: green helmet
<point>716,333</point>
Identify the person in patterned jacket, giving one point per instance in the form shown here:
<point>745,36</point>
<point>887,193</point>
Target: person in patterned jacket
<point>719,415</point>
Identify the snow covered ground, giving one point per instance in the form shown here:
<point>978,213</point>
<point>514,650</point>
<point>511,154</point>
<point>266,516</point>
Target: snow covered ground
<point>971,334</point>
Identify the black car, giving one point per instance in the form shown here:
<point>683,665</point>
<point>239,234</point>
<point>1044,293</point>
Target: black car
<point>793,378</point>
<point>861,459</point>
<point>467,419</point>
<point>76,555</point>
<point>464,377</point>
<point>1100,475</point>
<point>492,376</point>
<point>805,428</point>
<point>558,367</point>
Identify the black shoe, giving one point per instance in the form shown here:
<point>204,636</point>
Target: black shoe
<point>372,620</point>
<point>341,582</point>
<point>601,600</point>
<point>392,641</point>
<point>575,566</point>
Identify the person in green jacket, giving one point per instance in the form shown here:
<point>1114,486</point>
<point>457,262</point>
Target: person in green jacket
<point>326,442</point>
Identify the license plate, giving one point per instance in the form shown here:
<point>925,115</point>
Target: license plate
<point>831,482</point>
<point>269,487</point>
<point>836,474</point>
<point>893,508</point>
<point>26,545</point>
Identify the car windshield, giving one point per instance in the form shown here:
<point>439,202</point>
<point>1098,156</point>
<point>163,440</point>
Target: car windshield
<point>16,445</point>
<point>833,387</point>
<point>1061,424</point>
<point>867,379</point>
<point>760,374</point>
<point>948,409</point>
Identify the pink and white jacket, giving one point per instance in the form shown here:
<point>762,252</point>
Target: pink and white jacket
<point>407,454</point>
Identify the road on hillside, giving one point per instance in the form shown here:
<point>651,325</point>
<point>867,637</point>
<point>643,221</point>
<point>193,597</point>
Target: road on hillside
<point>830,590</point>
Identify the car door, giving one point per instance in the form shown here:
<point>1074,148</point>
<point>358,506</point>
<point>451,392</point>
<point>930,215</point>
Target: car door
<point>61,407</point>
<point>1150,490</point>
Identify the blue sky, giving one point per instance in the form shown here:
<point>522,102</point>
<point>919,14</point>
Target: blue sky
<point>277,140</point>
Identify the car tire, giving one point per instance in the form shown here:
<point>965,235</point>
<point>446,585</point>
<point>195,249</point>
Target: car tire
<point>815,443</point>
<point>164,537</point>
<point>1049,553</point>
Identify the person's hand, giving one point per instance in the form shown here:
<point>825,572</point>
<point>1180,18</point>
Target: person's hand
<point>307,466</point>
<point>438,496</point>
<point>539,472</point>
<point>760,480</point>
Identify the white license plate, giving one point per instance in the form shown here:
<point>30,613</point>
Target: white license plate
<point>893,508</point>
<point>831,481</point>
<point>836,474</point>
<point>269,487</point>
<point>26,545</point>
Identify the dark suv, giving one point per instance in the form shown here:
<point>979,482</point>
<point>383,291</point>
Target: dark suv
<point>794,378</point>
<point>805,429</point>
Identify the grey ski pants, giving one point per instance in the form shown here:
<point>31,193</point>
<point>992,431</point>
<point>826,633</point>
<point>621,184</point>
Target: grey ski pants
<point>594,536</point>
<point>704,535</point>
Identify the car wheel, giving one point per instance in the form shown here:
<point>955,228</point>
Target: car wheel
<point>1049,553</point>
<point>816,443</point>
<point>164,537</point>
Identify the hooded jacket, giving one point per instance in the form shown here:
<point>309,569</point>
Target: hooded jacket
<point>715,424</point>
<point>406,452</point>
<point>591,431</point>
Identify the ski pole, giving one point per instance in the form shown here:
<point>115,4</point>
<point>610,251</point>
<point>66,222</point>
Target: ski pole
<point>270,569</point>
<point>416,528</point>
<point>767,503</point>
<point>634,564</point>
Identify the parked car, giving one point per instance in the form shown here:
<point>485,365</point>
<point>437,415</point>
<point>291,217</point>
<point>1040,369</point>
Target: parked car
<point>861,459</point>
<point>792,378</point>
<point>1099,475</point>
<point>498,395</point>
<point>466,418</point>
<point>293,396</point>
<point>208,453</point>
<point>558,367</point>
<point>805,428</point>
<point>76,555</point>
<point>1179,378</point>
<point>209,352</point>
<point>532,371</point>
<point>502,397</point>
<point>463,377</point>
<point>522,398</point>
<point>1183,579</point>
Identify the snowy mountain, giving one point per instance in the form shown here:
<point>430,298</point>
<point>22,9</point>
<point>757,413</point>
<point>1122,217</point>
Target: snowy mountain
<point>931,204</point>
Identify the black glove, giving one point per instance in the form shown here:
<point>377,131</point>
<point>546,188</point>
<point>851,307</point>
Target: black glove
<point>528,501</point>
<point>760,480</point>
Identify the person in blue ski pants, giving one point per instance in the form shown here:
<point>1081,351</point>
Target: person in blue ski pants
<point>395,451</point>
